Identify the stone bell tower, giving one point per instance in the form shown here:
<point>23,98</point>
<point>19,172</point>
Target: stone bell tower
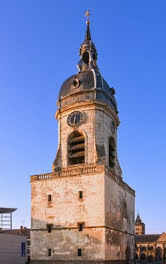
<point>83,211</point>
<point>139,226</point>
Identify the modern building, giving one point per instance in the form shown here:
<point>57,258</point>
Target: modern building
<point>12,248</point>
<point>83,211</point>
<point>22,231</point>
<point>6,217</point>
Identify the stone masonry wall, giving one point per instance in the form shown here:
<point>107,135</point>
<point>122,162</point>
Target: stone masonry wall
<point>96,130</point>
<point>65,211</point>
<point>120,229</point>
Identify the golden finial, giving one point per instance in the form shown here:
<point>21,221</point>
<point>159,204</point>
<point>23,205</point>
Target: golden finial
<point>87,14</point>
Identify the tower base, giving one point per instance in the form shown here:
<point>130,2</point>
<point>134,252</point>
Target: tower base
<point>81,262</point>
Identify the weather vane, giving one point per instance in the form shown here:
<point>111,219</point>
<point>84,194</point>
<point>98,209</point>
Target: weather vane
<point>87,14</point>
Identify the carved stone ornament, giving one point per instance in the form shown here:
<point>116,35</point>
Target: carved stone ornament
<point>76,119</point>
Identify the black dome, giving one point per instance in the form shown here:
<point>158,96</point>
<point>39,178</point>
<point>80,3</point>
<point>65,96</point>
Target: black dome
<point>86,82</point>
<point>89,85</point>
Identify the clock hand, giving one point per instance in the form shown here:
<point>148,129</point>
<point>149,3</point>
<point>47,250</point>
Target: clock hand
<point>74,121</point>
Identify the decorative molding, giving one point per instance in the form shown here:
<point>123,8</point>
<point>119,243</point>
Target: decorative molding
<point>58,228</point>
<point>77,170</point>
<point>74,170</point>
<point>88,105</point>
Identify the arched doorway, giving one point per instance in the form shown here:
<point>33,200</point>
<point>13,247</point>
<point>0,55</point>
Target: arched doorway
<point>143,257</point>
<point>136,256</point>
<point>158,253</point>
<point>127,252</point>
<point>150,258</point>
<point>164,254</point>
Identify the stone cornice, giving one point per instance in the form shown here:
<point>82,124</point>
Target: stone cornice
<point>83,170</point>
<point>74,170</point>
<point>94,104</point>
<point>57,228</point>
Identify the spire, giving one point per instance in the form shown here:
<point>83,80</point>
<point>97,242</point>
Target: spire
<point>138,219</point>
<point>88,51</point>
<point>88,35</point>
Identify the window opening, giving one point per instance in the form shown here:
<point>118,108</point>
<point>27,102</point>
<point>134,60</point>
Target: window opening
<point>80,226</point>
<point>111,152</point>
<point>142,248</point>
<point>79,252</point>
<point>76,148</point>
<point>124,210</point>
<point>23,254</point>
<point>49,198</point>
<point>86,57</point>
<point>49,252</point>
<point>80,194</point>
<point>49,228</point>
<point>150,247</point>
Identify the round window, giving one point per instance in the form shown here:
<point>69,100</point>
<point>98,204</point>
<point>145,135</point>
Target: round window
<point>75,83</point>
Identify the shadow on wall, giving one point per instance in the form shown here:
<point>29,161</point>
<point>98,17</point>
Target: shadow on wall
<point>150,262</point>
<point>53,241</point>
<point>56,241</point>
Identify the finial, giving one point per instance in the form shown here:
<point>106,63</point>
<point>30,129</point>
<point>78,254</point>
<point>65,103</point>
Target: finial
<point>87,14</point>
<point>87,36</point>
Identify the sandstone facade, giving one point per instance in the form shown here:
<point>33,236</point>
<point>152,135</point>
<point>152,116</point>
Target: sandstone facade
<point>83,211</point>
<point>106,232</point>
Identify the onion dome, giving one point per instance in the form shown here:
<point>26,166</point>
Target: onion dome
<point>88,84</point>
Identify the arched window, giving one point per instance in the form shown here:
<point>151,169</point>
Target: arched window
<point>111,152</point>
<point>142,248</point>
<point>86,57</point>
<point>143,257</point>
<point>76,148</point>
<point>158,253</point>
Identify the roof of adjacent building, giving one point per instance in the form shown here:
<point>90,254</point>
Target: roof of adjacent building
<point>146,238</point>
<point>4,210</point>
<point>21,231</point>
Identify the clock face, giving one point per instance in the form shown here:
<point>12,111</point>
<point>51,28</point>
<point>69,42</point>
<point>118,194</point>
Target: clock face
<point>75,119</point>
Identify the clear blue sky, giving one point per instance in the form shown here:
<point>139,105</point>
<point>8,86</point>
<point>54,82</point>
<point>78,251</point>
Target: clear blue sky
<point>39,44</point>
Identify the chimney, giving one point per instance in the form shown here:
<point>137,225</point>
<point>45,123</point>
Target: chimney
<point>21,230</point>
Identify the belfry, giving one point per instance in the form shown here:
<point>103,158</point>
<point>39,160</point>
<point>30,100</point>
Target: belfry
<point>83,211</point>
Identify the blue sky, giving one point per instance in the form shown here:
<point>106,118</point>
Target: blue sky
<point>39,46</point>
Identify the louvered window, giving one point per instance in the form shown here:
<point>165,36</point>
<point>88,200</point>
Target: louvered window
<point>76,148</point>
<point>111,152</point>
